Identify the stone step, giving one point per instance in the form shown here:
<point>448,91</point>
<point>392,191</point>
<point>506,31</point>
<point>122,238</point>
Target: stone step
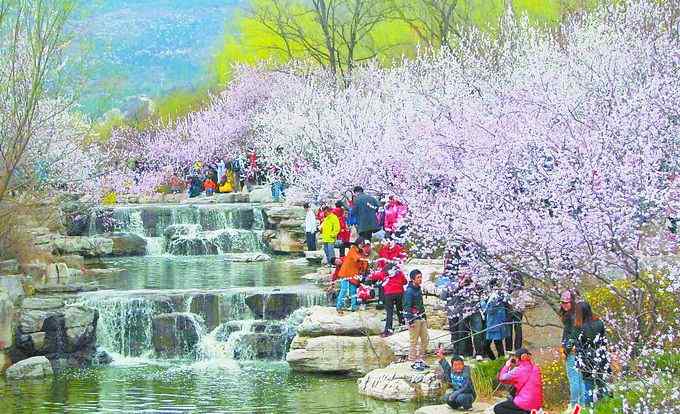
<point>477,408</point>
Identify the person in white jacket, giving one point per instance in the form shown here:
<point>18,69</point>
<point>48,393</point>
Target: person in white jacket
<point>311,227</point>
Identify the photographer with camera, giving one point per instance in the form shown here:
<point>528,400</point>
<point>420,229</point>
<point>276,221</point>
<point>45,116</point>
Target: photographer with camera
<point>525,376</point>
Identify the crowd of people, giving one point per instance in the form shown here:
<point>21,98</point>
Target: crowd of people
<point>226,176</point>
<point>481,316</point>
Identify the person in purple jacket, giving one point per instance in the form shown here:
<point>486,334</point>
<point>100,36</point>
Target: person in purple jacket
<point>521,372</point>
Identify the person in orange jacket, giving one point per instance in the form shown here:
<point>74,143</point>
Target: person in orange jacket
<point>209,186</point>
<point>353,265</point>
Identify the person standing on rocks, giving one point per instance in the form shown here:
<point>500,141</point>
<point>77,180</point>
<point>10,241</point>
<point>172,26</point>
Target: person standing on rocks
<point>460,341</point>
<point>414,310</point>
<point>311,227</point>
<point>392,280</point>
<point>353,266</point>
<point>457,375</point>
<point>366,208</point>
<point>330,227</point>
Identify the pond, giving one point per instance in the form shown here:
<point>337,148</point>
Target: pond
<point>139,381</point>
<point>245,387</point>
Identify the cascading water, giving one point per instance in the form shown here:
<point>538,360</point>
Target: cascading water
<point>199,325</point>
<point>186,229</point>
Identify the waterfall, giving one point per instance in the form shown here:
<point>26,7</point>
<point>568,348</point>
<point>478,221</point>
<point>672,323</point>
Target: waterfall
<point>190,229</point>
<point>202,325</point>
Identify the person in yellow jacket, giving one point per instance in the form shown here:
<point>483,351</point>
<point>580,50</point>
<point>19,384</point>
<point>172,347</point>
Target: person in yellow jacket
<point>330,228</point>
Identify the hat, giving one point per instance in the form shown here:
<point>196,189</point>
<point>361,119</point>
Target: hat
<point>566,297</point>
<point>522,351</point>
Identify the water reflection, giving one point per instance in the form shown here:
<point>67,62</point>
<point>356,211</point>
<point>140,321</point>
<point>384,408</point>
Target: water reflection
<point>249,387</point>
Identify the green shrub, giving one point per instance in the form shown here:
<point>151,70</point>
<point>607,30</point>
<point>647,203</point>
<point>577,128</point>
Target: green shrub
<point>484,376</point>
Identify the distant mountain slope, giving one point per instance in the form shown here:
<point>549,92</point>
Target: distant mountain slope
<point>147,47</point>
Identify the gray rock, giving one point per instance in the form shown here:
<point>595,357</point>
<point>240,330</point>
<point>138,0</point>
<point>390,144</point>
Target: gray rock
<point>323,320</point>
<point>9,267</point>
<point>261,195</point>
<point>256,345</point>
<point>13,284</point>
<point>70,288</point>
<point>314,256</point>
<point>247,257</point>
<point>85,246</point>
<point>276,305</point>
<point>353,355</point>
<point>207,305</point>
<point>176,334</point>
<point>6,320</point>
<point>127,244</point>
<point>42,303</point>
<point>36,367</point>
<point>32,320</point>
<point>38,340</point>
<point>78,316</point>
<point>398,382</point>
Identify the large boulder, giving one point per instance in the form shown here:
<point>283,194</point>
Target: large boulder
<point>399,342</point>
<point>353,355</point>
<point>36,367</point>
<point>285,229</point>
<point>127,244</point>
<point>176,334</point>
<point>276,305</point>
<point>261,195</point>
<point>253,345</point>
<point>323,321</point>
<point>84,246</point>
<point>399,382</point>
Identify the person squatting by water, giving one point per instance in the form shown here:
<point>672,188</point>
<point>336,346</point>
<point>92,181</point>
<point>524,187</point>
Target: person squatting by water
<point>457,375</point>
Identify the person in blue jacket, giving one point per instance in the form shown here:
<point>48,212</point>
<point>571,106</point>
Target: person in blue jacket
<point>457,375</point>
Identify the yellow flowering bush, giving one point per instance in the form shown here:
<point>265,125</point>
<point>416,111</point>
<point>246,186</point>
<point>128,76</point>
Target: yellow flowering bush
<point>555,383</point>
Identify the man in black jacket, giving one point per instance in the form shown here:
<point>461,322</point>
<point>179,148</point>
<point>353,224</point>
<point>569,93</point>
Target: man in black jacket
<point>366,208</point>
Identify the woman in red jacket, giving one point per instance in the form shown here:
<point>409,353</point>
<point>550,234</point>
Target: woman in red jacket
<point>343,236</point>
<point>393,281</point>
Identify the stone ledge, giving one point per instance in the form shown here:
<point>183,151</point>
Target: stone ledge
<point>399,382</point>
<point>477,408</point>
